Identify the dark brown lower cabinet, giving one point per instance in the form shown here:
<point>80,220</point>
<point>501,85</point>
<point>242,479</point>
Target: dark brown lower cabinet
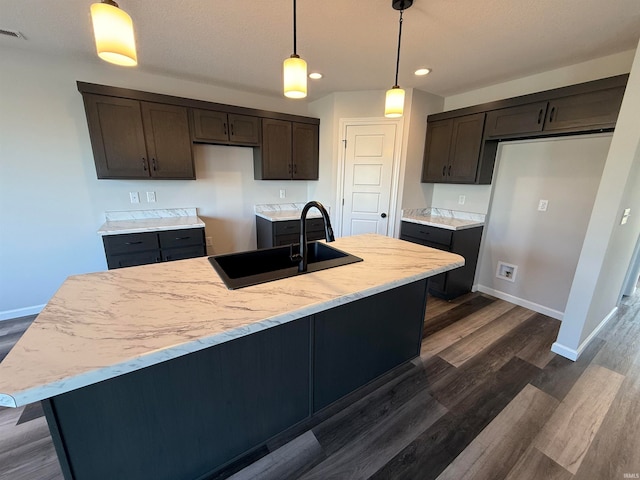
<point>129,250</point>
<point>189,417</point>
<point>287,232</point>
<point>464,242</point>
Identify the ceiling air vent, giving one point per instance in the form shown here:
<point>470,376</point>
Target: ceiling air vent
<point>11,33</point>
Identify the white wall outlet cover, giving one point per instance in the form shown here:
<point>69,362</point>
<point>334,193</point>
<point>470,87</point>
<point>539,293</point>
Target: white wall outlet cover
<point>542,205</point>
<point>134,197</point>
<point>151,197</point>
<point>283,193</point>
<point>209,241</point>
<point>461,199</point>
<point>507,271</point>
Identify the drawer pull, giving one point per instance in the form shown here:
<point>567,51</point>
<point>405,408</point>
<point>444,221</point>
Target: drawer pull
<point>133,243</point>
<point>183,238</point>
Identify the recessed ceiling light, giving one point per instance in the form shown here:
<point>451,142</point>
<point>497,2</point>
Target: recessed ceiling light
<point>422,71</point>
<point>315,75</point>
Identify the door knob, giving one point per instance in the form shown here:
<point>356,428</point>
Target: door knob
<point>383,215</point>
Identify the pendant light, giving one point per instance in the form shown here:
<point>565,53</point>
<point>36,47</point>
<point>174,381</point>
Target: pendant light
<point>113,30</point>
<point>295,69</point>
<point>394,101</point>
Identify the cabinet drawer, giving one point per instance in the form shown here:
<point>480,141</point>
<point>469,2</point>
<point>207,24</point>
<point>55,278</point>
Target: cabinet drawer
<point>286,228</point>
<point>133,259</point>
<point>293,226</point>
<point>427,233</point>
<point>286,239</point>
<point>181,238</point>
<point>129,243</point>
<point>182,253</point>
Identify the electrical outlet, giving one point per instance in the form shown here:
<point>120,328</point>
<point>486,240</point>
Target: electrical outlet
<point>151,197</point>
<point>542,205</point>
<point>209,241</point>
<point>134,197</point>
<point>283,193</point>
<point>461,199</point>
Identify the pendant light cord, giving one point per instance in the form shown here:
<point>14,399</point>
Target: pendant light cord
<point>295,52</point>
<point>399,39</point>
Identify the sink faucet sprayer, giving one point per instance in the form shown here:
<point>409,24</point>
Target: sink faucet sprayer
<point>328,233</point>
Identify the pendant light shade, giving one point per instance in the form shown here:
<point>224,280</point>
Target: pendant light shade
<point>294,69</point>
<point>394,100</point>
<point>295,77</point>
<point>394,103</point>
<point>113,30</point>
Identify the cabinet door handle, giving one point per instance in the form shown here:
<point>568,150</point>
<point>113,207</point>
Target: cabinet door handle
<point>153,162</point>
<point>289,169</point>
<point>423,232</point>
<point>540,116</point>
<point>225,128</point>
<point>132,243</point>
<point>144,164</point>
<point>183,238</point>
<point>295,168</point>
<point>553,112</point>
<point>232,130</point>
<point>449,173</point>
<point>444,170</point>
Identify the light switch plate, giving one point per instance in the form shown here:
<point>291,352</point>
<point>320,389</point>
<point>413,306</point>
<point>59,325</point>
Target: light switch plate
<point>283,193</point>
<point>461,199</point>
<point>134,197</point>
<point>543,205</point>
<point>151,197</point>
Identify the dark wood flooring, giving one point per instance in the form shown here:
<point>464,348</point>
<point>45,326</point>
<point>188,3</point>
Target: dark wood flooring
<point>486,400</point>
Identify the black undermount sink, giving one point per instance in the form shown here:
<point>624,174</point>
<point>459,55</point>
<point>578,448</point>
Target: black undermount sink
<point>242,269</point>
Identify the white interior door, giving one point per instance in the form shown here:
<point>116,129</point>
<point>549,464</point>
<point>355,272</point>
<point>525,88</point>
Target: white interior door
<point>368,172</point>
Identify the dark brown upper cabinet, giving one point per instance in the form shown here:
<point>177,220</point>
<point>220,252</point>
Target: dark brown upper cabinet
<point>452,149</point>
<point>587,111</point>
<point>133,139</point>
<point>516,120</point>
<point>289,151</point>
<point>225,128</point>
<point>457,151</point>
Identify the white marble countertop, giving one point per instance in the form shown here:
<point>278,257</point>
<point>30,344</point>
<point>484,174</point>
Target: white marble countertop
<point>285,211</point>
<point>442,218</point>
<point>101,325</point>
<point>139,221</point>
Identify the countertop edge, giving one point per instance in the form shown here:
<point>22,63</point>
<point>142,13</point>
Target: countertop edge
<point>431,223</point>
<point>104,231</point>
<point>24,397</point>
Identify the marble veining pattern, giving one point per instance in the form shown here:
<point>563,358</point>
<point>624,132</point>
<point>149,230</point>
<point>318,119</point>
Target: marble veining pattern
<point>102,325</point>
<point>443,218</point>
<point>138,221</point>
<point>279,212</point>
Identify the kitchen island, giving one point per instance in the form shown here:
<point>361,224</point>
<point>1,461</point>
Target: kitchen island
<point>160,371</point>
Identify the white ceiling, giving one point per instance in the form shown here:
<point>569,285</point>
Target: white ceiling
<point>242,43</point>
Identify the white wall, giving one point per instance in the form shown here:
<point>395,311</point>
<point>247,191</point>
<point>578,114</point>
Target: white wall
<point>608,247</point>
<point>544,246</point>
<point>51,203</point>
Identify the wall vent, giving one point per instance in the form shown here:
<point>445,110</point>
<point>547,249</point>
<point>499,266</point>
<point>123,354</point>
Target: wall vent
<point>11,33</point>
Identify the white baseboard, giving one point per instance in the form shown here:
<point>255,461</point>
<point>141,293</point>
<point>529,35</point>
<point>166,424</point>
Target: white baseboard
<point>572,354</point>
<point>20,312</point>
<point>550,312</point>
<point>566,352</point>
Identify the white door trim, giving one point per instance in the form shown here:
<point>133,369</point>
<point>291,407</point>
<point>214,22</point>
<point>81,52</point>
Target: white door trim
<point>395,175</point>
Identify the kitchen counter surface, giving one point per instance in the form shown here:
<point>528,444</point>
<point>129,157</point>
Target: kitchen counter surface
<point>105,324</point>
<point>140,221</point>
<point>286,211</point>
<point>442,218</point>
